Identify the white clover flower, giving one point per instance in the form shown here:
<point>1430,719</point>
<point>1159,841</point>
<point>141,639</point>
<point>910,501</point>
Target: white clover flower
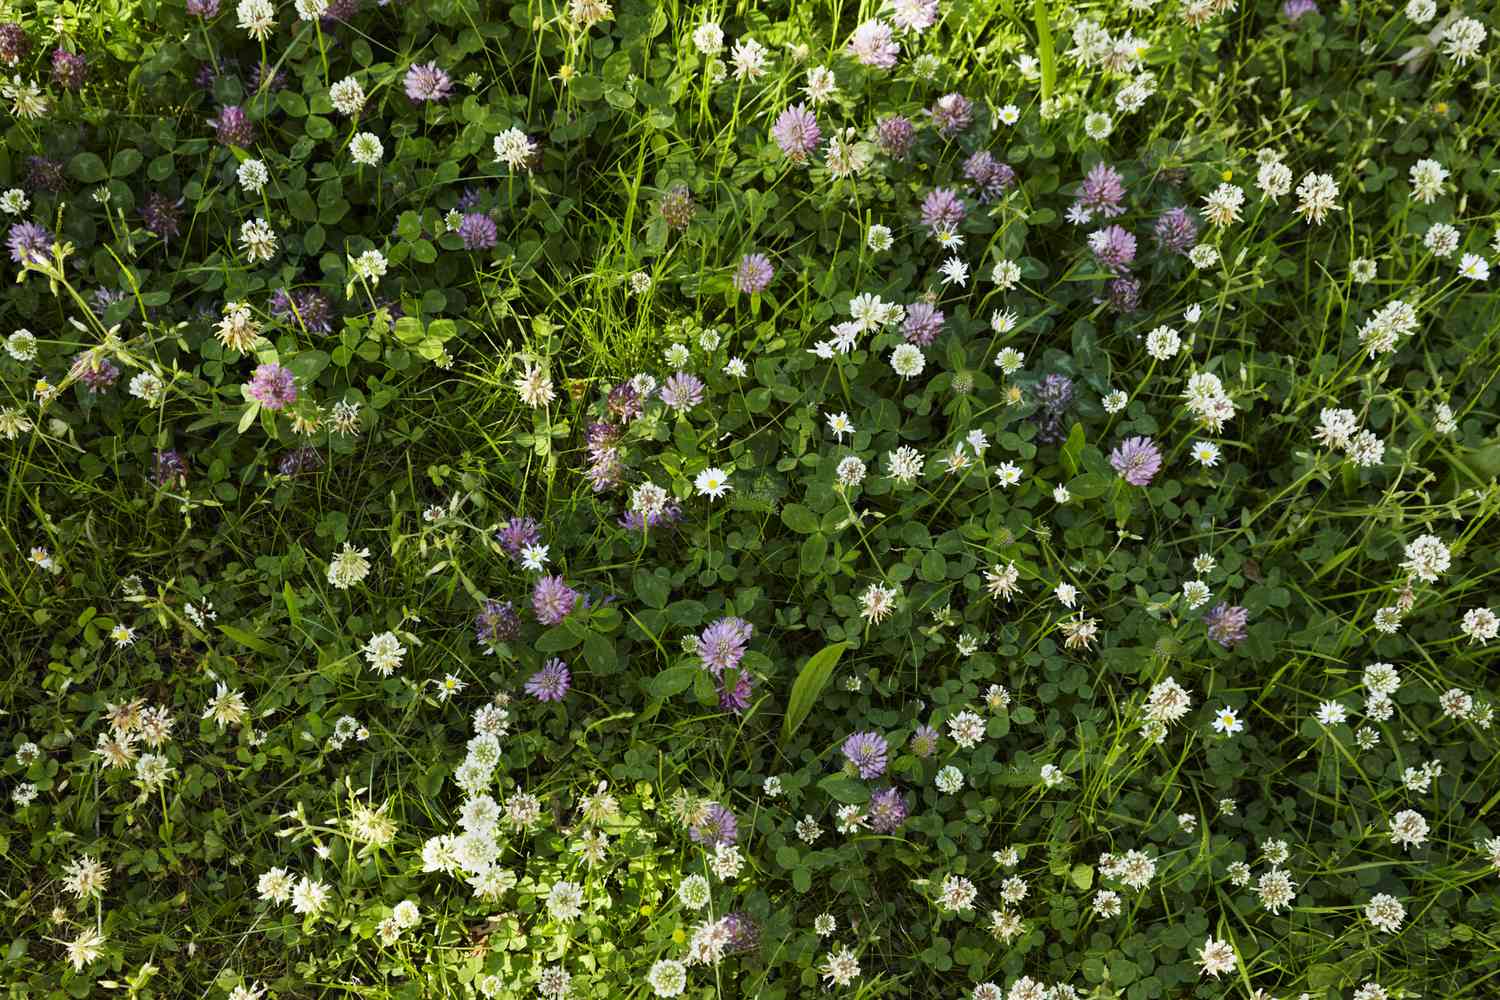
<point>366,149</point>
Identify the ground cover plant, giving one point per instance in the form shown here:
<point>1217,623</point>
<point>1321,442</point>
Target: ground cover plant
<point>967,499</point>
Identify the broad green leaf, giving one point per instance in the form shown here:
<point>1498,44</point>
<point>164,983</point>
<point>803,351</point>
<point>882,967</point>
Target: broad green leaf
<point>247,639</point>
<point>811,680</point>
<point>845,789</point>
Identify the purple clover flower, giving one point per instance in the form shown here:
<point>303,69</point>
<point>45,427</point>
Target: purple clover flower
<point>1293,10</point>
<point>718,826</point>
<point>866,751</point>
<point>942,209</point>
<point>924,742</point>
<point>427,83</point>
<point>233,127</point>
<point>168,467</point>
<point>517,534</point>
<point>203,8</point>
<point>1055,394</point>
<point>272,386</point>
<point>1125,294</point>
<point>681,391</point>
<point>95,372</point>
<point>737,698</point>
<point>1226,624</point>
<point>744,933</point>
<point>161,215</point>
<point>45,174</point>
<point>1137,460</point>
<point>894,135</point>
<point>308,306</point>
<point>797,133</point>
<point>551,682</point>
<point>300,461</point>
<point>1102,191</point>
<point>478,231</point>
<point>754,274</point>
<point>625,402</point>
<point>68,70</point>
<point>497,621</point>
<point>1114,247</point>
<point>887,810</point>
<point>635,521</point>
<point>552,599</point>
<point>988,176</point>
<point>721,645</point>
<point>14,43</point>
<point>923,322</point>
<point>952,113</point>
<point>340,10</point>
<point>29,241</point>
<point>1175,230</point>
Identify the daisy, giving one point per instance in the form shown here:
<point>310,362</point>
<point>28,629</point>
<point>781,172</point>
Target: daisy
<point>1227,722</point>
<point>712,482</point>
<point>1206,453</point>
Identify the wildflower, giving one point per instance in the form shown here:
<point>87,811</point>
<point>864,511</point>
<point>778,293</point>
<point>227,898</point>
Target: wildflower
<point>1276,890</point>
<point>667,978</point>
<point>86,948</point>
<point>1427,177</point>
<point>1480,625</point>
<point>427,83</point>
<point>366,149</point>
<point>1427,558</point>
<point>1175,231</point>
<point>1462,39</point>
<point>1205,453</point>
<point>1317,195</point>
<point>309,896</point>
<point>29,242</point>
<point>1203,256</point>
<point>754,274</point>
<point>879,238</point>
<point>952,113</point>
<point>1227,722</point>
<point>1385,912</point>
<point>797,133</point>
<point>1137,460</point>
<point>1102,191</point>
<point>552,600</point>
<point>712,482</point>
<point>957,893</point>
<point>347,96</point>
<point>708,38</point>
<point>252,175</point>
<point>873,44</point>
<point>1331,713</point>
<point>1474,267</point>
<point>904,464</point>
<point>955,272</point>
<point>227,707</point>
<point>272,386</point>
<point>550,683</point>
<point>1113,247</point>
<point>1222,205</point>
<point>866,751</point>
<point>967,730</point>
<point>894,135</point>
<point>878,602</point>
<point>840,967</point>
<point>1216,957</point>
<point>750,59</point>
<point>514,148</point>
<point>535,387</point>
<point>1226,624</point>
<point>907,360</point>
<point>1408,829</point>
<point>349,567</point>
<point>942,209</point>
<point>258,240</point>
